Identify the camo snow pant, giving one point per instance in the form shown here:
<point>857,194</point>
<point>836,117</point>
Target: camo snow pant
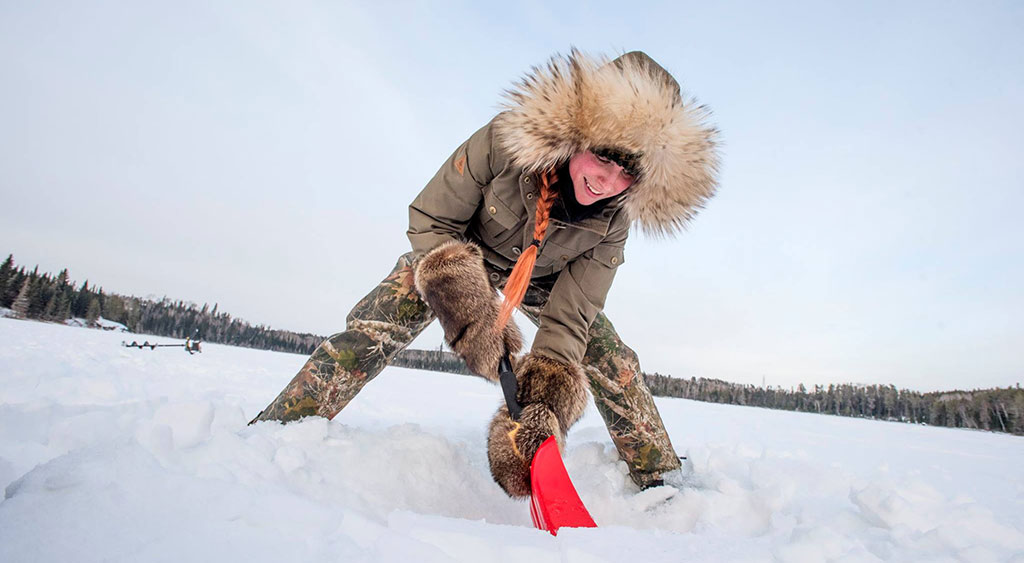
<point>393,314</point>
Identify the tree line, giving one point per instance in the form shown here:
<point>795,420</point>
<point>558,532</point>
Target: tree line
<point>32,295</point>
<point>55,298</point>
<point>999,409</point>
<point>433,360</point>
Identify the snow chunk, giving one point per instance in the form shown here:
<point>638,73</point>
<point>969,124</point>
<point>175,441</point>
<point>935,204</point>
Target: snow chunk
<point>189,422</point>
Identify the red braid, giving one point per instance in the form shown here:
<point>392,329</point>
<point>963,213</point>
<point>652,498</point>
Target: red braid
<point>519,279</point>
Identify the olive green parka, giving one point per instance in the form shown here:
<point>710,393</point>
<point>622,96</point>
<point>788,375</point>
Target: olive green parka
<point>486,192</point>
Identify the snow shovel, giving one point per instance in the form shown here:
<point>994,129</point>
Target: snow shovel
<point>554,502</point>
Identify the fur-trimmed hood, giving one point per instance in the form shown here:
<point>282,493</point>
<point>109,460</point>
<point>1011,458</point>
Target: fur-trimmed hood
<point>631,104</point>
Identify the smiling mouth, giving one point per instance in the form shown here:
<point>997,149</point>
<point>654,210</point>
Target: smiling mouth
<point>591,188</point>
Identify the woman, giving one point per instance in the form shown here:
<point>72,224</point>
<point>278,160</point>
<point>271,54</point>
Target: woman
<point>539,202</point>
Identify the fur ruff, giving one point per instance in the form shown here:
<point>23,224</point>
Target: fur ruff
<point>452,280</point>
<point>577,103</point>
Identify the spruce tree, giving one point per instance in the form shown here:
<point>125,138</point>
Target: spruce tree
<point>37,296</point>
<point>93,312</point>
<point>113,308</point>
<point>80,306</point>
<point>62,311</point>
<point>14,286</point>
<point>50,312</point>
<point>23,300</point>
<point>6,275</point>
<point>62,280</point>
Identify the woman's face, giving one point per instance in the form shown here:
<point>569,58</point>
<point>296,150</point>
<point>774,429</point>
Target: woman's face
<point>595,178</point>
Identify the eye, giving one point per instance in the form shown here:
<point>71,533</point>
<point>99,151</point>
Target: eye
<point>603,160</point>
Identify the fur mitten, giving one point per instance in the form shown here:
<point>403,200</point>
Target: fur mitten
<point>553,395</point>
<point>452,280</point>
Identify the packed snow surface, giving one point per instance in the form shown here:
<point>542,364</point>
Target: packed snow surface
<point>116,454</point>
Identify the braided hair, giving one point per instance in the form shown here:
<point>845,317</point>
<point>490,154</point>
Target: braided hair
<point>519,279</point>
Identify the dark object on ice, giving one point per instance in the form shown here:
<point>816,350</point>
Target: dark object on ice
<point>191,345</point>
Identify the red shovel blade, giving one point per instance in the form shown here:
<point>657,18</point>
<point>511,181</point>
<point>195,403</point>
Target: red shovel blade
<point>555,503</point>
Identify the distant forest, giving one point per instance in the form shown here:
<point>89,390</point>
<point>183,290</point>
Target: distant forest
<point>999,410</point>
<point>45,297</point>
<point>32,295</point>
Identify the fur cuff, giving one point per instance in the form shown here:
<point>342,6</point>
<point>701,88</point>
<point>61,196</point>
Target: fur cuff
<point>452,280</point>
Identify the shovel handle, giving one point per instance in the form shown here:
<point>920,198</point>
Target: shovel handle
<point>509,386</point>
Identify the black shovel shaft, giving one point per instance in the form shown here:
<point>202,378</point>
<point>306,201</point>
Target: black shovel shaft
<point>509,386</point>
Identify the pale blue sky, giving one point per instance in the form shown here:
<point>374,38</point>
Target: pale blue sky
<point>261,155</point>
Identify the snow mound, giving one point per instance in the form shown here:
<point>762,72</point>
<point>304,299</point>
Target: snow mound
<point>107,324</point>
<point>102,323</point>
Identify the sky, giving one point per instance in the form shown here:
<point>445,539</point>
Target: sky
<point>261,155</point>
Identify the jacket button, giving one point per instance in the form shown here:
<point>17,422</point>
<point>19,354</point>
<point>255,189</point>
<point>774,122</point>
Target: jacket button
<point>529,195</point>
<point>494,276</point>
<point>515,250</point>
<point>492,210</point>
<point>564,258</point>
<point>527,180</point>
<point>615,260</point>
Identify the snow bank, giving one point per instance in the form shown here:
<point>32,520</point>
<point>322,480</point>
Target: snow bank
<point>108,453</point>
<point>105,324</point>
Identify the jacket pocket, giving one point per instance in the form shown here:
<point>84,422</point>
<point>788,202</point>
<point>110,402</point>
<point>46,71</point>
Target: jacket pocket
<point>610,256</point>
<point>555,255</point>
<point>497,222</point>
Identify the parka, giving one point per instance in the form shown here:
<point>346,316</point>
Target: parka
<point>486,191</point>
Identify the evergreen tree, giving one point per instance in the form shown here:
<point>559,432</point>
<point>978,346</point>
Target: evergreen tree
<point>80,306</point>
<point>93,311</point>
<point>23,300</point>
<point>14,286</point>
<point>37,295</point>
<point>50,312</point>
<point>62,311</point>
<point>62,279</point>
<point>113,308</point>
<point>6,277</point>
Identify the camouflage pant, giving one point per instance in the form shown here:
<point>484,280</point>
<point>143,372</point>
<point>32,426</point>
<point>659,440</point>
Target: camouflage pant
<point>392,315</point>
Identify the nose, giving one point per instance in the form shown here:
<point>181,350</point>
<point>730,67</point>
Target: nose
<point>609,172</point>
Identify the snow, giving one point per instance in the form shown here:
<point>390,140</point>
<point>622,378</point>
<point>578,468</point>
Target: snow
<point>116,454</point>
<point>105,324</point>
